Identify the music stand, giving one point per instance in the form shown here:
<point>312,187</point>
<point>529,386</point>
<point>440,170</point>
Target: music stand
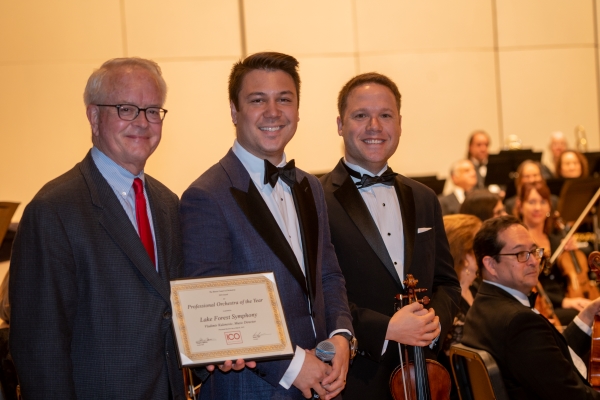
<point>7,210</point>
<point>432,182</point>
<point>593,159</point>
<point>501,167</point>
<point>574,197</point>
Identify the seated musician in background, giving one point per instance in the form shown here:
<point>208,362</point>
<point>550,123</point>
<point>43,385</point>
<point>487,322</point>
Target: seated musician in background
<point>460,230</point>
<point>384,226</point>
<point>478,153</point>
<point>464,179</point>
<point>536,213</point>
<point>558,144</point>
<point>535,360</point>
<point>483,204</point>
<point>572,164</point>
<point>528,172</point>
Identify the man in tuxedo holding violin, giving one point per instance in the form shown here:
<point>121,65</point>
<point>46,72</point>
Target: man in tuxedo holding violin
<point>535,360</point>
<point>384,226</point>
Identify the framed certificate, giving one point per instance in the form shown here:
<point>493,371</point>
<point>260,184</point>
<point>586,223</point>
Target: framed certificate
<point>228,318</point>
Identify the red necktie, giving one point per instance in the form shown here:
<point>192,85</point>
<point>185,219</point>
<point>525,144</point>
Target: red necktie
<point>141,215</point>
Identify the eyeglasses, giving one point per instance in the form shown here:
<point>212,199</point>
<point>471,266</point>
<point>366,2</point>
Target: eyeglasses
<point>129,112</point>
<point>523,256</point>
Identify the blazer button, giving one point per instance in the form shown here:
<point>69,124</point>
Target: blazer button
<point>167,315</point>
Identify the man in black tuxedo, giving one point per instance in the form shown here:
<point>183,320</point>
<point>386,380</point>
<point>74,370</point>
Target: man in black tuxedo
<point>94,253</point>
<point>535,360</point>
<point>384,226</point>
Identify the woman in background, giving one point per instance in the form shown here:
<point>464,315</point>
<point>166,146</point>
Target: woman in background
<point>460,230</point>
<point>534,209</point>
<point>572,164</point>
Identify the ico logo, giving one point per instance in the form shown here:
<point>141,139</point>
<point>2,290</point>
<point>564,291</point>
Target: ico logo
<point>233,337</point>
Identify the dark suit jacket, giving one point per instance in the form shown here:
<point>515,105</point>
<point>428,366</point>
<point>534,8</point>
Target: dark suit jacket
<point>450,204</point>
<point>372,280</point>
<point>532,355</point>
<point>91,317</point>
<point>228,229</point>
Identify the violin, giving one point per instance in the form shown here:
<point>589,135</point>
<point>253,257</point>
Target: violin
<point>574,265</point>
<point>544,305</point>
<point>594,365</point>
<point>422,379</point>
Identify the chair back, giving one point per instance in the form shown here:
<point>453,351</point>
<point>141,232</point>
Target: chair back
<point>476,374</point>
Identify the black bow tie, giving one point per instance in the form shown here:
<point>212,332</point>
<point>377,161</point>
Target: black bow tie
<point>532,297</point>
<point>287,173</point>
<point>387,178</point>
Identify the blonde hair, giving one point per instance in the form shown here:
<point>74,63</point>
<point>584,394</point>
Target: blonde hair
<point>461,230</point>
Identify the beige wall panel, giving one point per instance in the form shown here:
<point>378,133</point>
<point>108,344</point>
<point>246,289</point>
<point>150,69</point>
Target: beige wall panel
<point>545,22</point>
<point>549,90</point>
<point>197,131</point>
<point>183,28</point>
<point>392,25</point>
<point>445,96</point>
<point>299,28</point>
<point>59,31</point>
<point>317,147</point>
<point>45,130</point>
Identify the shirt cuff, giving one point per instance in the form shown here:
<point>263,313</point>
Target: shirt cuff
<point>385,344</point>
<point>434,341</point>
<point>332,334</point>
<point>294,369</point>
<point>586,329</point>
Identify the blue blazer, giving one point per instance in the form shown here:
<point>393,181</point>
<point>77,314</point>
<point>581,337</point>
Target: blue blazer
<point>228,229</point>
<point>90,315</point>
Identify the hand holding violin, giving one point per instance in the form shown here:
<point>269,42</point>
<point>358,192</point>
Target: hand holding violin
<point>413,325</point>
<point>588,313</point>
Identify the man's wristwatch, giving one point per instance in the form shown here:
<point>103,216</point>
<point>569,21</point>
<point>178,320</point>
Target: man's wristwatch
<point>352,341</point>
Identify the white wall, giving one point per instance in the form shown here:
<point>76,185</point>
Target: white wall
<point>442,55</point>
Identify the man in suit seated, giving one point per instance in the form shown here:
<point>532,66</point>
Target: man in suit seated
<point>535,360</point>
<point>464,179</point>
<point>94,253</point>
<point>478,152</point>
<point>254,211</point>
<point>384,226</point>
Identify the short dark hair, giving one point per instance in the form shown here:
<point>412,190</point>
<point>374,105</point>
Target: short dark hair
<point>268,61</point>
<point>486,241</point>
<point>480,203</point>
<point>472,137</point>
<point>362,79</point>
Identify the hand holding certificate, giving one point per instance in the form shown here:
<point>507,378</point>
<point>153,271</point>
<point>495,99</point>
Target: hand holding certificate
<point>229,318</point>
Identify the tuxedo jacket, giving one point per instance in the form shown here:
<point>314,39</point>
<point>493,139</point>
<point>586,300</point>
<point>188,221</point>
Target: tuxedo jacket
<point>532,355</point>
<point>450,204</point>
<point>90,315</point>
<point>372,280</point>
<point>228,229</point>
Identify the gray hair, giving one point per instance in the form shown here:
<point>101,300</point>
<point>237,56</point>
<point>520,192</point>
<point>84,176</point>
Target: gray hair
<point>96,88</point>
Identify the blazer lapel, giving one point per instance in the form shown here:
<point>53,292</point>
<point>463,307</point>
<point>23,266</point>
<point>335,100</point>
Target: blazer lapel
<point>309,231</point>
<point>258,214</point>
<point>350,199</point>
<point>407,209</point>
<point>116,222</point>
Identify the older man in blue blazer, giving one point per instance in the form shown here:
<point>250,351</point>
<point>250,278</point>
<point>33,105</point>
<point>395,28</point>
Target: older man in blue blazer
<point>93,256</point>
<point>254,211</point>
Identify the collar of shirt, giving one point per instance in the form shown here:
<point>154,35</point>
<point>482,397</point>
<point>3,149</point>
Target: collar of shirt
<point>255,166</point>
<point>363,171</point>
<point>460,194</point>
<point>117,177</point>
<point>513,292</point>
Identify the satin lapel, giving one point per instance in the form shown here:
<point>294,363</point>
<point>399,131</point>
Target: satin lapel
<point>407,209</point>
<point>309,230</point>
<point>351,200</point>
<point>116,222</point>
<point>260,217</point>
